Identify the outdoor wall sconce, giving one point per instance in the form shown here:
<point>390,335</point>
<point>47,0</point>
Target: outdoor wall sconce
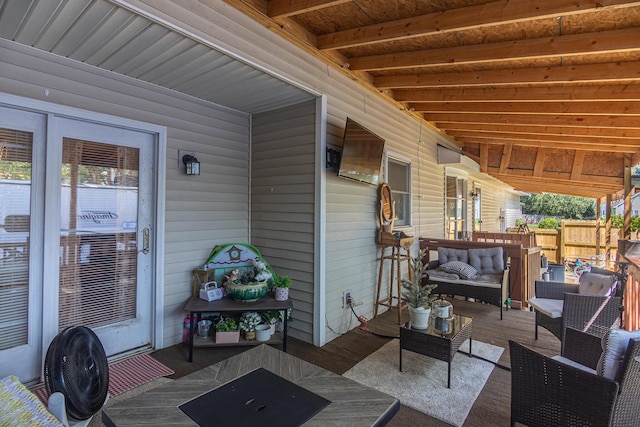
<point>192,164</point>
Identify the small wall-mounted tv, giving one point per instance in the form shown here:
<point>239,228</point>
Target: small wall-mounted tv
<point>361,156</point>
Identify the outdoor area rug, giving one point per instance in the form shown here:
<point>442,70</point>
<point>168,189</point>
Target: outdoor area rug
<point>127,374</point>
<point>422,385</point>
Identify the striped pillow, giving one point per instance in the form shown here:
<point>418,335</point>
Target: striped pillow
<point>460,268</point>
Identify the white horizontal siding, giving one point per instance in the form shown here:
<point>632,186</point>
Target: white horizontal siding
<point>201,211</point>
<point>282,202</point>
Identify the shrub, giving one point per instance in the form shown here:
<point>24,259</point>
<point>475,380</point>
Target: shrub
<point>549,223</point>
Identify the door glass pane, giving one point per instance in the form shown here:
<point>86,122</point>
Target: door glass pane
<point>15,205</point>
<point>98,222</point>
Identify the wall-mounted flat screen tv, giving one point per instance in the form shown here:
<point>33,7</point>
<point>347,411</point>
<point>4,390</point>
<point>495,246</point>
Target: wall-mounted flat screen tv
<point>361,155</point>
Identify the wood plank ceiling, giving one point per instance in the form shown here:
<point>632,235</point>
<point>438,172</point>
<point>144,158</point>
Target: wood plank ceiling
<point>543,94</point>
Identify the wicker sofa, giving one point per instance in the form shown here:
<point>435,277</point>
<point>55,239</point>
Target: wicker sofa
<point>479,273</point>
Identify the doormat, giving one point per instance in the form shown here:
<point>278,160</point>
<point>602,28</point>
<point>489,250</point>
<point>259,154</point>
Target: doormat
<point>127,374</point>
<point>422,384</point>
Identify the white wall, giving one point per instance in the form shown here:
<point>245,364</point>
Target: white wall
<point>282,202</point>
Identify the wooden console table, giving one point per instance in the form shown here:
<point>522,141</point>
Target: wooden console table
<point>197,306</point>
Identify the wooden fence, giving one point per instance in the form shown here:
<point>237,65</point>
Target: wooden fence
<point>575,239</point>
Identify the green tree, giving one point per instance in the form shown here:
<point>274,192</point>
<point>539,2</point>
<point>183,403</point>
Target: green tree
<point>549,223</point>
<point>570,207</point>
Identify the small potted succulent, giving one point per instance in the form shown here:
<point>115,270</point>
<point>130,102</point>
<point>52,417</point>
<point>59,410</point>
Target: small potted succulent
<point>281,286</point>
<point>271,318</point>
<point>227,331</point>
<point>248,322</point>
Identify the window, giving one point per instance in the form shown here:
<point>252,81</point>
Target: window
<point>456,207</point>
<point>398,176</point>
<point>476,196</point>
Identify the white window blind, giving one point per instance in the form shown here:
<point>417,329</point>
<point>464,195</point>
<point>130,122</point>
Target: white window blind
<point>98,251</point>
<point>15,202</point>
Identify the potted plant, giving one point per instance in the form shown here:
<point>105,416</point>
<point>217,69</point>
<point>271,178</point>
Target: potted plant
<point>248,322</point>
<point>271,318</point>
<point>281,286</point>
<point>417,295</point>
<point>227,331</point>
<point>247,287</point>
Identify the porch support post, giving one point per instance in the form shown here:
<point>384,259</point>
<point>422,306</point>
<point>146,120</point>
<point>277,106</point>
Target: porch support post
<point>627,198</point>
<point>607,229</point>
<point>599,201</point>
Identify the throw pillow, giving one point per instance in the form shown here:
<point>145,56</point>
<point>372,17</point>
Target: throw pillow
<point>460,268</point>
<point>596,284</point>
<point>614,347</point>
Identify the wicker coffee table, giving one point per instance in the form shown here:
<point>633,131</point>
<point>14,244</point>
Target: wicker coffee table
<point>434,343</point>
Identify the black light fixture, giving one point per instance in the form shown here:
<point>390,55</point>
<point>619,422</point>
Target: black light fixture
<point>192,164</point>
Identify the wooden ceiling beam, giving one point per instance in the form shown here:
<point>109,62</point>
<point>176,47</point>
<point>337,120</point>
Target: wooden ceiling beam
<point>602,73</point>
<point>285,8</point>
<point>532,185</point>
<point>538,167</point>
<point>587,180</point>
<point>558,144</point>
<point>576,168</point>
<point>484,158</point>
<point>624,40</point>
<point>484,15</point>
<point>506,157</point>
<point>529,182</point>
<point>480,128</point>
<point>633,144</point>
<point>538,120</point>
<point>566,93</point>
<point>591,108</point>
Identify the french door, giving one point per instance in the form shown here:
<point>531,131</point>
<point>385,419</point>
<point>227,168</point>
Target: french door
<point>88,239</point>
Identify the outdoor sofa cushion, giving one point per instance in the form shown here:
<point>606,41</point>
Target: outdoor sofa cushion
<point>487,260</point>
<point>614,347</point>
<point>446,255</point>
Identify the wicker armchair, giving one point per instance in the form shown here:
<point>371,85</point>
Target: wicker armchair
<point>559,306</point>
<point>549,392</point>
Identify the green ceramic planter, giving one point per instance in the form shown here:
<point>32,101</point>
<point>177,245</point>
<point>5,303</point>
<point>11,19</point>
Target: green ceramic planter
<point>250,292</point>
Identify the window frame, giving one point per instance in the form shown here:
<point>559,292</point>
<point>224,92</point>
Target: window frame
<point>393,157</point>
<point>461,196</point>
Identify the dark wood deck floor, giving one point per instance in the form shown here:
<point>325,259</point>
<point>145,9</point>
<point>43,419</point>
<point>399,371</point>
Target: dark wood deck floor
<point>492,406</point>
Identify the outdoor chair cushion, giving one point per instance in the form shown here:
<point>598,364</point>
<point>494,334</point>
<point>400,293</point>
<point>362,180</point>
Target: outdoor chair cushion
<point>570,362</point>
<point>462,269</point>
<point>549,307</point>
<point>596,284</point>
<point>614,348</point>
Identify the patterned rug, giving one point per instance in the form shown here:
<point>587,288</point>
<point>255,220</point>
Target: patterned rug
<point>422,385</point>
<point>127,374</point>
